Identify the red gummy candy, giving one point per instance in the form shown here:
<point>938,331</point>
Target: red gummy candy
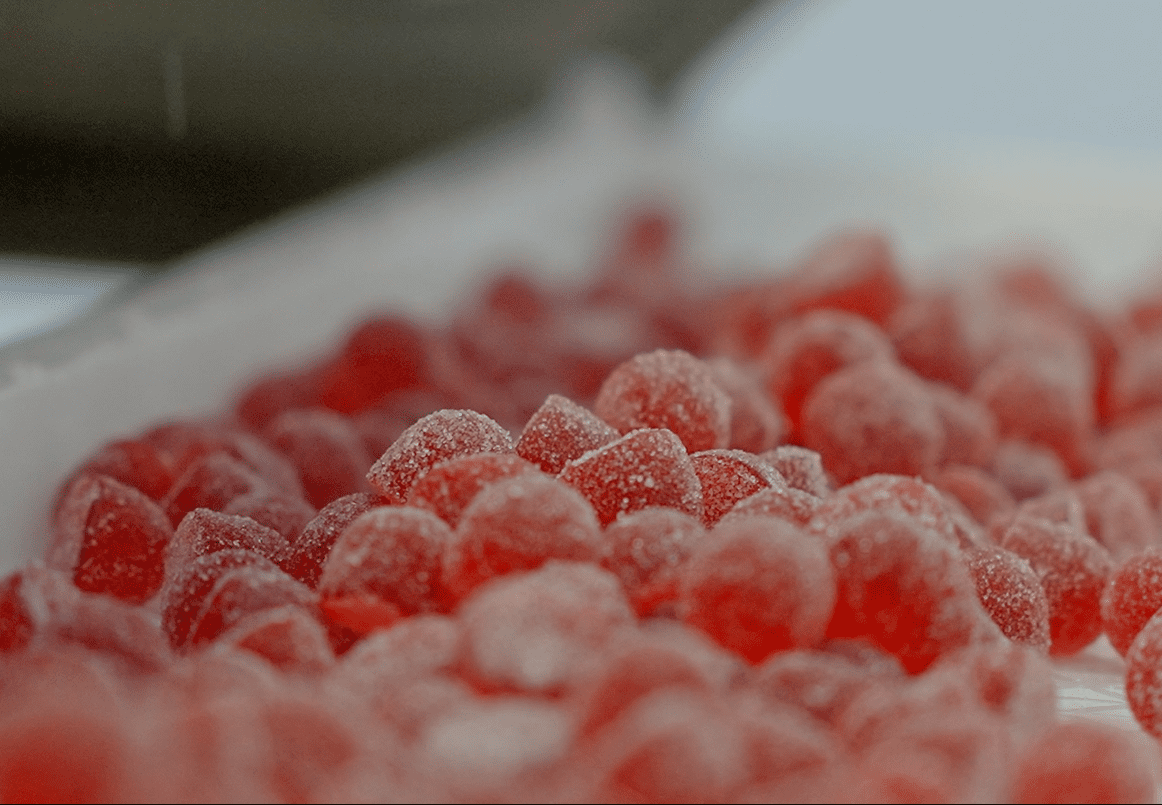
<point>1082,761</point>
<point>279,511</point>
<point>266,398</point>
<point>645,549</point>
<point>538,632</point>
<point>132,462</point>
<point>777,500</point>
<point>904,588</point>
<point>288,637</point>
<point>1144,676</point>
<point>728,476</point>
<point>380,356</point>
<point>756,421</point>
<point>111,538</point>
<point>439,436</point>
<point>758,586</point>
<point>643,468</point>
<point>186,589</point>
<point>980,493</point>
<point>1117,513</point>
<point>561,431</point>
<point>807,349</point>
<point>667,389</point>
<point>1132,596</point>
<point>873,417</point>
<point>211,483</point>
<point>852,271</point>
<point>1028,470</point>
<point>243,591</point>
<point>1136,384</point>
<point>448,488</point>
<point>519,524</point>
<point>1011,593</point>
<point>186,442</point>
<point>1073,569</point>
<point>970,429</point>
<point>204,532</point>
<point>801,468</point>
<point>387,556</point>
<point>928,334</point>
<point>309,551</point>
<point>911,497</point>
<point>327,451</point>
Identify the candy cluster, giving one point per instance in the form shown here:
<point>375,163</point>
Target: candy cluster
<point>812,538</point>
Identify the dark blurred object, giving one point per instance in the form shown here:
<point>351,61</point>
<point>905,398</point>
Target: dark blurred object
<point>135,131</point>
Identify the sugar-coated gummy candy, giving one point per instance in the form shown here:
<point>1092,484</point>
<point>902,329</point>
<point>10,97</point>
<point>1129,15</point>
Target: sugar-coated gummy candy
<point>1073,569</point>
<point>515,524</point>
<point>853,271</point>
<point>560,431</point>
<point>382,355</point>
<point>327,451</point>
<point>904,588</point>
<point>970,428</point>
<point>537,632</point>
<point>728,476</point>
<point>1117,513</point>
<point>757,422</point>
<point>884,492</point>
<point>806,349</point>
<point>801,468</point>
<point>776,500</point>
<point>309,551</point>
<point>645,550</point>
<point>1080,761</point>
<point>648,467</point>
<point>982,495</point>
<point>1011,592</point>
<point>448,488</point>
<point>390,556</point>
<point>1144,676</point>
<point>203,531</point>
<point>759,585</point>
<point>184,443</point>
<point>279,511</point>
<point>267,397</point>
<point>288,637</point>
<point>667,389</point>
<point>1131,597</point>
<point>1028,470</point>
<point>133,462</point>
<point>439,436</point>
<point>413,648</point>
<point>929,335</point>
<point>112,538</point>
<point>242,591</point>
<point>210,483</point>
<point>873,417</point>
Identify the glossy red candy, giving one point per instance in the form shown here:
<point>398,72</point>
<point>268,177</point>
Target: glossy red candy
<point>759,585</point>
<point>327,451</point>
<point>518,524</point>
<point>873,417</point>
<point>646,550</point>
<point>667,389</point>
<point>439,436</point>
<point>448,488</point>
<point>111,538</point>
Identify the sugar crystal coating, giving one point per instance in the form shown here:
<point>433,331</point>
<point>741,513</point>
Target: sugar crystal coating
<point>310,549</point>
<point>242,591</point>
<point>647,467</point>
<point>776,500</point>
<point>1131,597</point>
<point>560,431</point>
<point>448,488</point>
<point>759,585</point>
<point>518,524</point>
<point>645,549</point>
<point>439,436</point>
<point>801,468</point>
<point>667,389</point>
<point>873,417</point>
<point>728,476</point>
<point>1117,514</point>
<point>185,591</point>
<point>286,514</point>
<point>204,532</point>
<point>1011,593</point>
<point>884,492</point>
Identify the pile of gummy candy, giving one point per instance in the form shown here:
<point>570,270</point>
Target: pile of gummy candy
<point>651,537</point>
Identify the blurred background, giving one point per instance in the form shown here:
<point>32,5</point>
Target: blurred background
<point>133,133</point>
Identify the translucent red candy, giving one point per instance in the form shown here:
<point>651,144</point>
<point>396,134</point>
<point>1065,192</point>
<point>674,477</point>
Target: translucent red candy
<point>539,632</point>
<point>309,551</point>
<point>448,488</point>
<point>1144,676</point>
<point>384,564</point>
<point>777,500</point>
<point>1011,593</point>
<point>667,389</point>
<point>133,462</point>
<point>911,497</point>
<point>279,511</point>
<point>980,493</point>
<point>757,422</point>
<point>852,271</point>
<point>243,591</point>
<point>801,468</point>
<point>380,356</point>
<point>1028,470</point>
<point>645,550</point>
<point>211,483</point>
<point>326,450</point>
<point>289,637</point>
<point>873,417</point>
<point>1073,570</point>
<point>806,349</point>
<point>269,396</point>
<point>1117,514</point>
<point>560,431</point>
<point>902,587</point>
<point>519,524</point>
<point>1086,762</point>
<point>111,538</point>
<point>728,476</point>
<point>204,532</point>
<point>1131,597</point>
<point>928,333</point>
<point>970,429</point>
<point>184,443</point>
<point>439,436</point>
<point>757,586</point>
<point>643,468</point>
